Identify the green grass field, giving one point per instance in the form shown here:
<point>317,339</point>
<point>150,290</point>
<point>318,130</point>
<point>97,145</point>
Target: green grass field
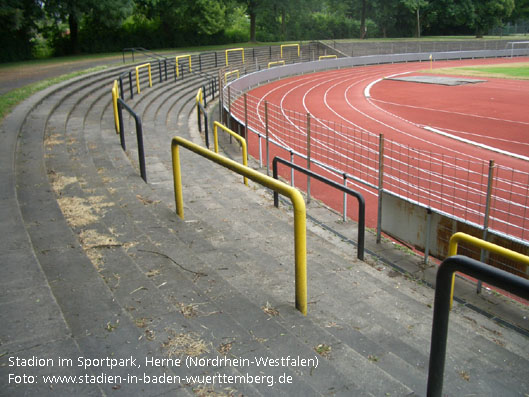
<point>518,70</point>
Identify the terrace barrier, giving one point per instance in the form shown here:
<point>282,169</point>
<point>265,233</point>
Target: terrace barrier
<point>139,135</point>
<point>234,50</point>
<point>358,196</point>
<point>484,245</point>
<point>177,59</point>
<point>300,222</point>
<point>145,65</point>
<point>471,267</point>
<point>115,96</point>
<point>274,63</point>
<point>242,141</point>
<point>289,45</point>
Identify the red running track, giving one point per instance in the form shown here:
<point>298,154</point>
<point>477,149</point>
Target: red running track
<point>485,121</point>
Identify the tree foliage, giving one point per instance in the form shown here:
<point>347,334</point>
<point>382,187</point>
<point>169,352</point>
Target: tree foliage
<point>18,25</point>
<point>71,26</point>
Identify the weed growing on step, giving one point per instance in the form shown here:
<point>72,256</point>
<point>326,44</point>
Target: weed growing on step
<point>323,350</point>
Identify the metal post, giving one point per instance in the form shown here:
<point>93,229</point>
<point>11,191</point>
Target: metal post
<point>165,68</point>
<point>292,169</point>
<point>200,62</point>
<point>199,122</point>
<point>221,92</point>
<point>308,157</point>
<point>246,135</point>
<point>483,255</point>
<point>229,108</point>
<point>267,141</point>
<point>345,198</point>
<point>160,70</point>
<point>428,232</point>
<point>380,185</point>
<point>260,151</point>
<point>121,133</point>
<point>130,83</point>
<point>141,153</point>
<point>121,86</point>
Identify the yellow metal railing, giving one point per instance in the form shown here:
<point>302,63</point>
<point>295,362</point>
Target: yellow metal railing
<point>288,45</point>
<point>115,96</point>
<point>177,65</point>
<point>327,57</point>
<point>200,97</point>
<point>145,65</point>
<point>482,244</point>
<point>232,50</point>
<point>275,63</point>
<point>300,222</point>
<point>242,141</point>
<point>228,74</point>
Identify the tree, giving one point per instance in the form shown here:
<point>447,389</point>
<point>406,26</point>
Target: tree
<point>386,16</point>
<point>363,29</point>
<point>490,13</point>
<point>448,17</point>
<point>18,19</point>
<point>415,6</point>
<point>105,13</point>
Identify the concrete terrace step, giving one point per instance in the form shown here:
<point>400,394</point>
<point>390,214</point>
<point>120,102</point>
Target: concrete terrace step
<point>118,274</point>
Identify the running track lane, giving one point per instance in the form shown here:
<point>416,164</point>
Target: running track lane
<point>338,97</point>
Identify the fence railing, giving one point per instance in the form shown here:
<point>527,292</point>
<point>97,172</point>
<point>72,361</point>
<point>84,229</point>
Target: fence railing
<point>492,276</point>
<point>456,186</point>
<point>300,232</point>
<point>345,189</point>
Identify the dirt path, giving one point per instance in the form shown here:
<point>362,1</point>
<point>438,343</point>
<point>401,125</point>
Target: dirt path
<point>12,77</point>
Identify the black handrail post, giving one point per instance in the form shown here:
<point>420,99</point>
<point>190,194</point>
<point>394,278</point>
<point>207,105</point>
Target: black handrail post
<point>200,62</point>
<point>199,120</point>
<point>443,286</point>
<point>160,70</point>
<point>165,67</point>
<point>121,86</point>
<point>205,95</point>
<point>206,132</point>
<point>120,123</point>
<point>139,135</point>
<point>141,153</point>
<point>345,189</point>
<point>130,84</point>
<point>201,109</point>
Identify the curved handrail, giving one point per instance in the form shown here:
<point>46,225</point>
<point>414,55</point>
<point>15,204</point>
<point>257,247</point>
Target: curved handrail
<point>358,196</point>
<point>300,222</point>
<point>471,267</point>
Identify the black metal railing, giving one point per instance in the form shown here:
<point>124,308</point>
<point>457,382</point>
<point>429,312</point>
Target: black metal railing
<point>345,189</point>
<point>139,134</point>
<point>141,50</point>
<point>471,267</point>
<point>202,110</point>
